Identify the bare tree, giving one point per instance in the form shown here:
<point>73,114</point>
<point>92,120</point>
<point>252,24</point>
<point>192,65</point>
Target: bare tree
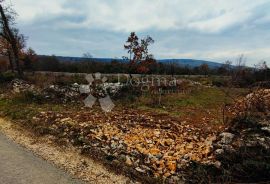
<point>263,68</point>
<point>11,35</point>
<point>240,62</point>
<point>239,70</point>
<point>87,55</point>
<point>204,68</point>
<point>228,66</point>
<point>5,50</point>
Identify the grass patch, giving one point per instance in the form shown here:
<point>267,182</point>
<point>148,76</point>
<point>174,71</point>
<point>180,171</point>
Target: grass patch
<point>22,108</point>
<point>209,97</point>
<point>200,105</point>
<point>17,109</point>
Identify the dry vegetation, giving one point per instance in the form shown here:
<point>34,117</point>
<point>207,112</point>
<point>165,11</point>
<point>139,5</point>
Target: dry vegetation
<point>149,137</point>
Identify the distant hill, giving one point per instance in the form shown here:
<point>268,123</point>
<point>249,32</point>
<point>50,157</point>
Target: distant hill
<point>184,62</point>
<point>191,62</point>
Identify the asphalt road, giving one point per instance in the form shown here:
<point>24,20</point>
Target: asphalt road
<point>19,166</point>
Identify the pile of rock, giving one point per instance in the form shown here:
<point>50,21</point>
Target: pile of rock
<point>113,88</point>
<point>155,147</point>
<point>66,93</point>
<point>224,143</point>
<point>19,86</point>
<point>243,151</point>
<point>63,93</point>
<point>101,90</point>
<point>257,101</point>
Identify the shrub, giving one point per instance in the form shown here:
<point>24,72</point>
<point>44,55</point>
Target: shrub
<point>7,77</point>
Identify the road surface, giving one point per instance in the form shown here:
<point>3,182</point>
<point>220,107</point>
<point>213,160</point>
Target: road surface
<point>19,166</point>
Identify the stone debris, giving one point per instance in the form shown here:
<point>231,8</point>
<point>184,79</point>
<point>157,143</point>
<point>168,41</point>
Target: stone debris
<point>246,142</point>
<point>248,132</point>
<point>67,93</point>
<point>66,158</point>
<point>62,93</point>
<point>226,138</point>
<point>19,86</point>
<point>113,88</point>
<point>133,139</point>
<point>257,101</point>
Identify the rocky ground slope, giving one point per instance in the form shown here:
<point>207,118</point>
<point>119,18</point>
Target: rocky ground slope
<point>157,148</point>
<point>242,150</point>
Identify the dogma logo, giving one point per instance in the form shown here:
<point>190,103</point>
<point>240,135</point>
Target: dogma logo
<point>96,91</point>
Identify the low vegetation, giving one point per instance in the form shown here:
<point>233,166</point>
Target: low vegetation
<point>150,136</point>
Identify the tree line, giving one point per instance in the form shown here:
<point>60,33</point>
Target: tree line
<point>240,73</point>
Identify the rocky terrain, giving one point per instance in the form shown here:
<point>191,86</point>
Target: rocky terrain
<point>242,150</point>
<point>156,148</point>
<point>147,144</point>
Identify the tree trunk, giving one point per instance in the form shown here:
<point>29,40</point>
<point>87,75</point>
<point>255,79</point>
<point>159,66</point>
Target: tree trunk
<point>16,59</point>
<point>10,61</point>
<point>130,66</point>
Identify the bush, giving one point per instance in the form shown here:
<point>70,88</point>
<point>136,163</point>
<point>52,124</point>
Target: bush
<point>219,82</point>
<point>7,77</point>
<point>127,94</point>
<point>29,97</point>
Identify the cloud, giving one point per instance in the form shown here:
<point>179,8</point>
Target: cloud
<point>139,15</point>
<point>30,10</point>
<point>201,29</point>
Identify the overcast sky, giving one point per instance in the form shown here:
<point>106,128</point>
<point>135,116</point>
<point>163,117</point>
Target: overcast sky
<point>215,30</point>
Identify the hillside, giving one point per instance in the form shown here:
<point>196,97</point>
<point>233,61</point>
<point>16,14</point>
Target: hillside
<point>184,62</point>
<point>192,62</point>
